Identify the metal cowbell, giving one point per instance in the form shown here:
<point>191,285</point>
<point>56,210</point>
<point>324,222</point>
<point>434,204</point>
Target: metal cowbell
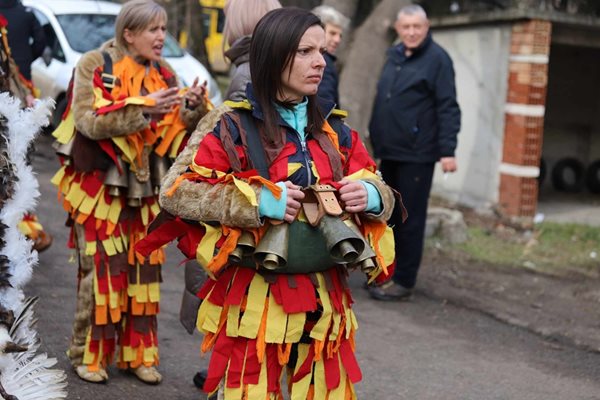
<point>344,244</point>
<point>272,251</point>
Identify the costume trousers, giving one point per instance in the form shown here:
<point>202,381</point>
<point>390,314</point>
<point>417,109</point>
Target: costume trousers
<point>413,181</point>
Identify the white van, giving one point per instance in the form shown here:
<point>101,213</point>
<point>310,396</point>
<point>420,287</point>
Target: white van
<point>73,27</point>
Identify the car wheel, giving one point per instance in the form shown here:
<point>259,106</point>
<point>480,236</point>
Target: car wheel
<point>592,177</point>
<point>567,175</point>
<point>61,106</point>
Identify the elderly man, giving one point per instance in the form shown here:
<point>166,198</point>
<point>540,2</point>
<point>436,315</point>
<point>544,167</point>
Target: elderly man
<point>414,124</point>
<point>335,25</point>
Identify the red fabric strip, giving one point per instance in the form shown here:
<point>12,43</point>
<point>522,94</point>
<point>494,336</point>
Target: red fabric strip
<point>242,280</point>
<point>218,361</point>
<point>332,371</point>
<point>252,366</point>
<point>349,362</point>
<point>217,296</point>
<point>306,366</point>
<point>300,299</point>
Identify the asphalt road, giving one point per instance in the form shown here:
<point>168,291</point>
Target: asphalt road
<point>421,350</point>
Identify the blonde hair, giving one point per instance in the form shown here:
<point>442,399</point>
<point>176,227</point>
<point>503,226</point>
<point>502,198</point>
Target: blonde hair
<point>136,15</point>
<point>241,16</point>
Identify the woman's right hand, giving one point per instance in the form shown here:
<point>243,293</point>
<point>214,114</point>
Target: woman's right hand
<point>294,195</point>
<point>166,99</point>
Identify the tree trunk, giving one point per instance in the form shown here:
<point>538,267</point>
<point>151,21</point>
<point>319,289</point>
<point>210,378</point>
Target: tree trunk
<point>358,80</point>
<point>346,7</point>
<point>195,41</point>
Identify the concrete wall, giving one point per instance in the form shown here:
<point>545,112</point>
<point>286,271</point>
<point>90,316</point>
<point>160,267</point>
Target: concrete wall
<point>480,55</point>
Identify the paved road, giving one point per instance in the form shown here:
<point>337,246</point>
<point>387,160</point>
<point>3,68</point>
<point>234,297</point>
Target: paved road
<point>421,350</point>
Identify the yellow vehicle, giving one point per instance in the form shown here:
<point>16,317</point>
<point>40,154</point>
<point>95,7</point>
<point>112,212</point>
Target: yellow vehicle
<point>213,20</point>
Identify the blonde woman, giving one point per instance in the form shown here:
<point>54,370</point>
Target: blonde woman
<point>129,117</point>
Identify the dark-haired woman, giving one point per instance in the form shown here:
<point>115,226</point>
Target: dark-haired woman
<point>260,323</point>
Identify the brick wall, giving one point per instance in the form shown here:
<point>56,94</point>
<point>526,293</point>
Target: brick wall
<point>524,117</point>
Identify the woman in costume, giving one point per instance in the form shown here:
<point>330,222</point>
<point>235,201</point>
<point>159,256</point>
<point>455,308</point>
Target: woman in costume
<point>127,118</point>
<point>259,172</point>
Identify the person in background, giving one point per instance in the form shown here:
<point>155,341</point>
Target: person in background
<point>130,118</point>
<point>255,164</point>
<point>241,16</point>
<point>414,124</point>
<point>27,40</point>
<point>16,84</point>
<point>335,25</point>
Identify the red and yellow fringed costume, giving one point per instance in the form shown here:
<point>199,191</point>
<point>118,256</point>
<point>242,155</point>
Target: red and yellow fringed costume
<point>105,130</point>
<point>260,324</point>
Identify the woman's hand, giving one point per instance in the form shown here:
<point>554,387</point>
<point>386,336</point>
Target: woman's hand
<point>354,195</point>
<point>166,99</point>
<point>294,195</point>
<point>195,95</point>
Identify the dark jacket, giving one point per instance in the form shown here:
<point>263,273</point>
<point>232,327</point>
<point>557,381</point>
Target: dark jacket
<point>23,25</point>
<point>415,115</point>
<point>328,88</point>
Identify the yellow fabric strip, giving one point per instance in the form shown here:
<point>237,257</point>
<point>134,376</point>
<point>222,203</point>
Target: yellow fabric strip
<point>335,326</point>
<point>154,292</point>
<point>259,391</point>
<point>293,167</point>
<point>362,174</point>
<point>255,306</point>
<point>276,322</point>
<point>65,130</point>
<point>295,327</point>
<point>102,209</point>
<point>87,205</point>
<point>320,329</point>
<point>128,151</point>
<point>145,212</point>
<point>75,195</point>
<point>109,246</point>
<point>58,176</point>
<point>233,320</point>
<point>320,385</point>
<point>213,315</point>
<point>115,211</point>
<point>206,247</point>
<point>300,388</point>
<point>90,248</point>
<point>176,143</point>
<point>247,191</point>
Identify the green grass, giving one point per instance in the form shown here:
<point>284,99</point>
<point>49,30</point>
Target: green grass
<point>552,248</point>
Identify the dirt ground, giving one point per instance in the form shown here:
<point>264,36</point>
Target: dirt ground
<point>564,308</point>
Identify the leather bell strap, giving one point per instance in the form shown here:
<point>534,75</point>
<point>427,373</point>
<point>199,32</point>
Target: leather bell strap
<point>318,201</point>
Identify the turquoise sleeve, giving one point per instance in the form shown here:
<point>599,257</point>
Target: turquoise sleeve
<point>373,198</point>
<point>269,206</point>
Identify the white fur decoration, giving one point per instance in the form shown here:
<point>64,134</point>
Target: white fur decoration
<point>26,375</point>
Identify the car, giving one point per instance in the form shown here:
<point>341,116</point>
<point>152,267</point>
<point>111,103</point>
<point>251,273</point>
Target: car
<point>73,27</point>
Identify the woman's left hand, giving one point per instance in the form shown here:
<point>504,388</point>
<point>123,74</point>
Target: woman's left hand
<point>354,195</point>
<point>195,95</point>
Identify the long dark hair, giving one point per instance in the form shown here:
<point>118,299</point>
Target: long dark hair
<point>274,44</point>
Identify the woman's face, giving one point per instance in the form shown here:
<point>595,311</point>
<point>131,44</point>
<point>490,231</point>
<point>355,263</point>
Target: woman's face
<point>147,43</point>
<point>302,75</point>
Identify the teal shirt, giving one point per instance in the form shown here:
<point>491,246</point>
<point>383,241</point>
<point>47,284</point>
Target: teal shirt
<point>269,206</point>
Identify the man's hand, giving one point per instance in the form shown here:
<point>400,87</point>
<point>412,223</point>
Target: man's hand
<point>354,195</point>
<point>195,95</point>
<point>448,164</point>
<point>166,99</point>
<point>294,195</point>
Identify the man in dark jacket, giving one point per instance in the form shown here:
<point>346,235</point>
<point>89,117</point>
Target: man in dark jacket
<point>23,27</point>
<point>335,25</point>
<point>414,124</point>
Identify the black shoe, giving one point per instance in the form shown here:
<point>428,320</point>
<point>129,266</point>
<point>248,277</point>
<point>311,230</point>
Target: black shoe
<point>390,291</point>
<point>199,378</point>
